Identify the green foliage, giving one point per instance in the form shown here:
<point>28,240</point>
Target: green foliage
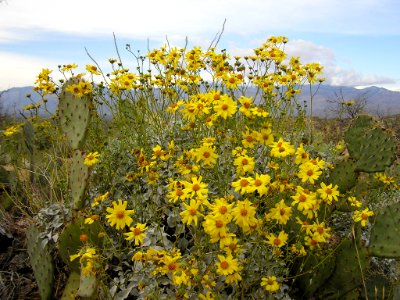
<point>41,261</point>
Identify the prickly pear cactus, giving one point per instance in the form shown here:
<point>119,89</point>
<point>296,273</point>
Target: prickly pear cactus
<point>87,285</point>
<point>371,147</point>
<point>79,179</point>
<point>71,289</point>
<point>348,272</point>
<point>70,242</point>
<point>41,261</point>
<point>29,135</point>
<point>318,271</point>
<point>378,151</point>
<point>344,175</point>
<point>354,136</point>
<point>385,233</point>
<point>74,113</point>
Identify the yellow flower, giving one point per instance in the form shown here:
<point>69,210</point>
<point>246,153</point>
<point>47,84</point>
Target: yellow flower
<point>91,159</point>
<point>222,208</point>
<point>277,241</point>
<point>191,214</point>
<point>281,148</point>
<point>281,213</point>
<point>362,216</point>
<point>309,172</point>
<point>301,155</point>
<point>328,193</point>
<point>136,233</point>
<point>243,185</point>
<point>215,226</point>
<point>244,215</point>
<point>207,155</point>
<point>92,69</point>
<point>100,198</point>
<point>261,184</point>
<point>250,138</point>
<point>225,107</point>
<point>354,202</point>
<point>119,216</point>
<point>11,130</point>
<point>227,265</point>
<point>196,188</point>
<point>68,67</point>
<point>270,284</point>
<point>244,164</point>
<point>92,219</point>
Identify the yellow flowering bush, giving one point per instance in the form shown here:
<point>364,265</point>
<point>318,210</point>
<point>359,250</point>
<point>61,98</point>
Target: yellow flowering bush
<point>203,178</point>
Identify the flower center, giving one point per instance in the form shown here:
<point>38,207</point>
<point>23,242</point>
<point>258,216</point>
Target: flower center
<point>196,187</point>
<point>137,231</point>
<point>277,242</point>
<point>224,265</point>
<point>302,198</point>
<point>243,212</point>
<point>257,182</point>
<point>310,172</point>
<point>244,182</point>
<point>223,209</point>
<point>120,214</point>
<point>328,191</point>
<point>219,223</point>
<point>245,161</point>
<point>206,154</point>
<point>192,211</point>
<point>224,106</point>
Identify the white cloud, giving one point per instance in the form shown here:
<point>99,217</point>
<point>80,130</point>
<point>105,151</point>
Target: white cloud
<point>334,74</point>
<point>142,19</point>
<point>20,70</point>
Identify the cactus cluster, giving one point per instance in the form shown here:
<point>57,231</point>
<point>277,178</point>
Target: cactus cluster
<point>342,274</point>
<point>74,115</point>
<point>371,149</point>
<point>41,262</point>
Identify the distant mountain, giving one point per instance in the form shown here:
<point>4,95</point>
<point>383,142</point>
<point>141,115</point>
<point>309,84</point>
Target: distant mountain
<point>379,100</point>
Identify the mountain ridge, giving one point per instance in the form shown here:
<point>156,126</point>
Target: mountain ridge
<point>380,101</point>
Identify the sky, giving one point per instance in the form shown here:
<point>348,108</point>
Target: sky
<point>357,41</point>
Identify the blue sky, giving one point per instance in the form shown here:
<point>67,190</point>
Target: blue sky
<point>357,41</point>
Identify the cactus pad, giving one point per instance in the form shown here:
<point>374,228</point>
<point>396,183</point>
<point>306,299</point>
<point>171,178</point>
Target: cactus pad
<point>87,286</point>
<point>348,271</point>
<point>70,243</point>
<point>74,113</point>
<point>385,233</point>
<point>344,175</point>
<point>79,179</point>
<point>378,151</point>
<point>71,289</point>
<point>318,271</point>
<point>354,135</point>
<point>41,261</point>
